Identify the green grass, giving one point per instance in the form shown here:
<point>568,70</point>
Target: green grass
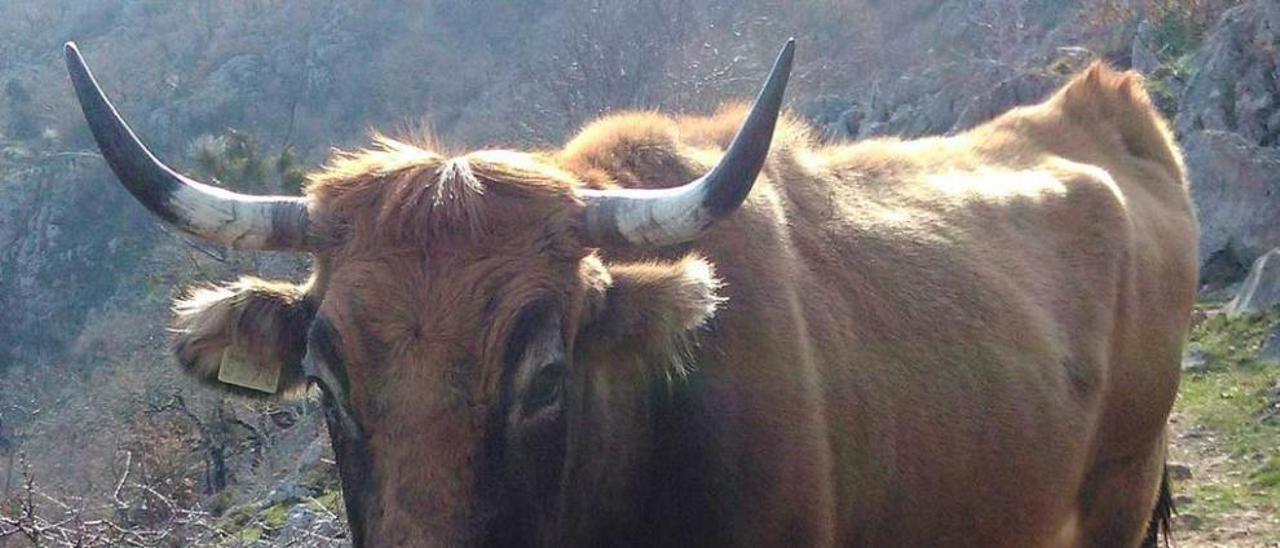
<point>330,501</point>
<point>251,535</point>
<point>1228,399</point>
<point>1232,343</point>
<point>275,516</point>
<point>255,524</point>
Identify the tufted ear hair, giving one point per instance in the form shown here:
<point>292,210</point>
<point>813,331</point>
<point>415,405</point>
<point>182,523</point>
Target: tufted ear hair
<point>635,339</point>
<point>247,337</point>
<point>654,307</point>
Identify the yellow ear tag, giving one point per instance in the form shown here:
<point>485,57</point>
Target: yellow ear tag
<point>242,370</point>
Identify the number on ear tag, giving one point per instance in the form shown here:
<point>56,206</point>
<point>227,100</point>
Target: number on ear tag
<point>242,370</point>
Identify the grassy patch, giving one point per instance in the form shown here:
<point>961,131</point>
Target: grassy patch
<point>1227,401</point>
<point>256,524</point>
<point>275,516</point>
<point>330,501</point>
<point>1232,342</point>
<point>251,535</point>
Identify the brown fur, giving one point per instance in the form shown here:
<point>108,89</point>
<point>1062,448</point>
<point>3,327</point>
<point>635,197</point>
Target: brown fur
<point>652,307</point>
<point>962,341</point>
<point>266,320</point>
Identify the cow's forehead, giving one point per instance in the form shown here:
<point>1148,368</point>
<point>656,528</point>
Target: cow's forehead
<point>452,312</point>
<point>394,195</point>
<point>389,164</point>
<point>442,298</point>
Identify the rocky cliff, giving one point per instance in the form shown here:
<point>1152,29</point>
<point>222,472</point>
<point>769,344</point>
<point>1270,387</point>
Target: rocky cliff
<point>1228,123</point>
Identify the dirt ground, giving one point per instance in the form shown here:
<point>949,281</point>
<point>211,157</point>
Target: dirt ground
<point>1213,469</point>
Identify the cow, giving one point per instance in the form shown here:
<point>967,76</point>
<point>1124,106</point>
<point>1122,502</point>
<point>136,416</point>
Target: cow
<point>721,330</point>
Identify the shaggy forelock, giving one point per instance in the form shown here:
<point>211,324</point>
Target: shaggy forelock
<point>395,191</point>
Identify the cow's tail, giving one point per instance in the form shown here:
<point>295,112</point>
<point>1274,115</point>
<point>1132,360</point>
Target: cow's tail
<point>1158,530</point>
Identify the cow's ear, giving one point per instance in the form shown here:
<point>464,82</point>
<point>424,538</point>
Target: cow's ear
<point>248,337</point>
<point>654,307</point>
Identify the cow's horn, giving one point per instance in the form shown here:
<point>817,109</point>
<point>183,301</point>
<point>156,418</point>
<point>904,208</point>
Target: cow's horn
<point>216,214</point>
<point>660,217</point>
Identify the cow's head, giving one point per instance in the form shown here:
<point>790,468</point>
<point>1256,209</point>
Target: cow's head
<point>468,337</point>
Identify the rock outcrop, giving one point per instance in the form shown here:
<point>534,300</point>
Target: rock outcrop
<point>1261,289</point>
<point>66,233</point>
<point>1229,125</point>
<point>944,99</point>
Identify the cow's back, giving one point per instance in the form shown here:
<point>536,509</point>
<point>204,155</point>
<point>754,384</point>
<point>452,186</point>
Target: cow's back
<point>947,341</point>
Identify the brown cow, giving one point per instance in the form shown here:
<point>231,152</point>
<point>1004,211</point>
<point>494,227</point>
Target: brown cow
<point>961,341</point>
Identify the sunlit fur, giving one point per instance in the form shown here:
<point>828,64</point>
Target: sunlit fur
<point>961,341</point>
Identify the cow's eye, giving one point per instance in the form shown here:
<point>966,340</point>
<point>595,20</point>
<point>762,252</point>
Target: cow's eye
<point>545,389</point>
